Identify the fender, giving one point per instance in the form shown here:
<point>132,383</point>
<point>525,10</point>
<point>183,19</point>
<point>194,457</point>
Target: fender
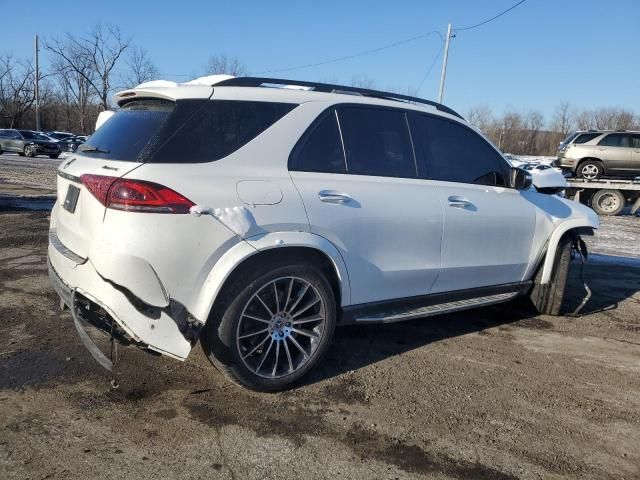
<point>254,245</point>
<point>557,234</point>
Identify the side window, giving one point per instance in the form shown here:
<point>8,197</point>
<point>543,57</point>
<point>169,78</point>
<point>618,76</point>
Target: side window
<point>586,137</point>
<point>615,140</point>
<point>454,153</point>
<point>3,134</point>
<point>377,142</point>
<point>635,141</point>
<point>320,149</point>
<point>216,130</point>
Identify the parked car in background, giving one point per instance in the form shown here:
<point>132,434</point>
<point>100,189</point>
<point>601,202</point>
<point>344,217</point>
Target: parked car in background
<point>256,219</point>
<point>596,153</point>
<point>70,144</point>
<point>28,143</point>
<point>59,135</point>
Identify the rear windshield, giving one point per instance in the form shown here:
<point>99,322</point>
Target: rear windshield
<point>186,131</point>
<point>570,137</point>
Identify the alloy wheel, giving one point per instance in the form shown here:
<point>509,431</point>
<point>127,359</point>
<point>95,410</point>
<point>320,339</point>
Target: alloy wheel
<point>281,327</point>
<point>590,171</point>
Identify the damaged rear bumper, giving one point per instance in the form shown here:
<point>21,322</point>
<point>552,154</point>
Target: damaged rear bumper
<point>117,311</point>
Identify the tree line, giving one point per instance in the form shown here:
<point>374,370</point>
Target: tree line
<point>83,71</point>
<point>529,134</point>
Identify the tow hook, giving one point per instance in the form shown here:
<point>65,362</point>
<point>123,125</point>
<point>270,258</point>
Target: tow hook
<point>580,247</point>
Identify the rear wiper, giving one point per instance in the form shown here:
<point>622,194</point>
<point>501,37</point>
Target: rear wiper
<point>92,148</point>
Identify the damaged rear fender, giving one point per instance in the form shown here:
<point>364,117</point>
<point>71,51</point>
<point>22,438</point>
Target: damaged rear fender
<point>261,243</point>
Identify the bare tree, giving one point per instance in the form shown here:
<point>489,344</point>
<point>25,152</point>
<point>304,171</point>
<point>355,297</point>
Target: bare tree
<point>482,118</point>
<point>362,81</point>
<point>100,49</point>
<point>140,68</point>
<point>17,89</point>
<point>75,90</point>
<point>221,63</point>
<point>564,119</point>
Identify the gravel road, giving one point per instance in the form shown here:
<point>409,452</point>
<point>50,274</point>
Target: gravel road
<point>493,393</point>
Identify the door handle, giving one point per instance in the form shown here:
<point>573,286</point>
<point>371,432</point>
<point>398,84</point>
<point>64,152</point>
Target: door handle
<point>331,196</point>
<point>458,202</point>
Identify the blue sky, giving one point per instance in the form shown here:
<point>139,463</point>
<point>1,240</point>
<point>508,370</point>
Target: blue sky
<point>534,57</point>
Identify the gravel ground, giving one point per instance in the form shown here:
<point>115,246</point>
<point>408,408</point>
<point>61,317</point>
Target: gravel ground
<point>490,393</point>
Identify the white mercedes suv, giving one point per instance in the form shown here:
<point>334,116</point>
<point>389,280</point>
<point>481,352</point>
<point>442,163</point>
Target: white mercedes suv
<point>256,215</point>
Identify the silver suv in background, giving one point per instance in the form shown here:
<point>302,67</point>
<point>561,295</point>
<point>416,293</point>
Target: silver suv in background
<point>592,154</point>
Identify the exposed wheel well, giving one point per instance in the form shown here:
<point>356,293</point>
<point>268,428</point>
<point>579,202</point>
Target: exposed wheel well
<point>278,256</point>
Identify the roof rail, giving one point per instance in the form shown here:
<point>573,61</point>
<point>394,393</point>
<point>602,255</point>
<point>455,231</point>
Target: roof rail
<point>330,88</point>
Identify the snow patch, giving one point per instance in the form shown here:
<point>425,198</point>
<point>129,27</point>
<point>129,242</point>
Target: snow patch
<point>238,219</point>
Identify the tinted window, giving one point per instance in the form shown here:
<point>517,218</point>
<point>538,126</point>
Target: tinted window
<point>376,142</point>
<point>615,140</point>
<point>187,131</point>
<point>635,141</point>
<point>454,153</point>
<point>218,129</point>
<point>586,137</point>
<point>3,134</point>
<point>321,148</point>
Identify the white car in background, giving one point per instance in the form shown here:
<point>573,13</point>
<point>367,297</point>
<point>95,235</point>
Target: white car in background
<point>256,219</point>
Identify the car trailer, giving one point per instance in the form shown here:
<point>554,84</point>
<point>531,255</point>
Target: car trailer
<point>606,196</point>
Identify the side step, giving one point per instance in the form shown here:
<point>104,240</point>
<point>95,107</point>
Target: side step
<point>399,315</point>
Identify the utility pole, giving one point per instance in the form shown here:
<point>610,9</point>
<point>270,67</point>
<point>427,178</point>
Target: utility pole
<point>37,87</point>
<point>444,64</point>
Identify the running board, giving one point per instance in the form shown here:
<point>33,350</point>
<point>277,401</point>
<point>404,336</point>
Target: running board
<point>399,315</point>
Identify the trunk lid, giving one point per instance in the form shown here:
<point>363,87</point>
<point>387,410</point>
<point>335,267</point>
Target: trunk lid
<point>79,214</point>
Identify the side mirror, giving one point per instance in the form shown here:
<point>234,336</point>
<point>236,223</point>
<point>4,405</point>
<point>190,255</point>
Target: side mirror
<point>519,179</point>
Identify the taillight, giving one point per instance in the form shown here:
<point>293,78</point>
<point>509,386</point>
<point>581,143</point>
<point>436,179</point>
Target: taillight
<point>135,195</point>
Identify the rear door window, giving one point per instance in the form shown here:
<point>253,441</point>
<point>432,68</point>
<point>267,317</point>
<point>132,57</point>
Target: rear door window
<point>635,140</point>
<point>454,153</point>
<point>377,142</point>
<point>615,140</point>
<point>186,131</point>
<point>320,149</point>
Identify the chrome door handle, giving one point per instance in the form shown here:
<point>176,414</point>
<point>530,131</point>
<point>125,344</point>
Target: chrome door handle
<point>331,196</point>
<point>458,202</point>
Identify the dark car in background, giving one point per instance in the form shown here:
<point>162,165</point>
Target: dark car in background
<point>28,143</point>
<point>59,135</point>
<point>70,144</point>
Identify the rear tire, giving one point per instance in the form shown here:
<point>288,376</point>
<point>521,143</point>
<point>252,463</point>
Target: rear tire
<point>273,359</point>
<point>590,170</point>
<point>54,156</point>
<point>28,151</point>
<point>607,202</point>
<point>547,299</point>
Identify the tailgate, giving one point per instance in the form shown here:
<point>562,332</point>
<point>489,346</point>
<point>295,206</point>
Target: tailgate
<point>78,214</point>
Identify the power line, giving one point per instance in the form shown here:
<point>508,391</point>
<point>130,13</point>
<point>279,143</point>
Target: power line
<point>492,18</point>
<point>349,57</point>
<point>433,64</point>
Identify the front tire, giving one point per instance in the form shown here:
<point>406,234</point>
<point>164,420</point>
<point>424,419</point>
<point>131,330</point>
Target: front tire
<point>270,332</point>
<point>547,299</point>
<point>53,156</point>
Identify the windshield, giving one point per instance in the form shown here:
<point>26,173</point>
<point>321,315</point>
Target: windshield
<point>34,135</point>
<point>186,131</point>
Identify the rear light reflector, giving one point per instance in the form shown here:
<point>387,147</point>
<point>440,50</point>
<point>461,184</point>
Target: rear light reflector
<point>135,195</point>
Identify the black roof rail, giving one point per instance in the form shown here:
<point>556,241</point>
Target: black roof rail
<point>330,88</point>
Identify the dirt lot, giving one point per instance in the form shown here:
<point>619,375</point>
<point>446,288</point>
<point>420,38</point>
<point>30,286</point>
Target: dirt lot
<point>490,393</point>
